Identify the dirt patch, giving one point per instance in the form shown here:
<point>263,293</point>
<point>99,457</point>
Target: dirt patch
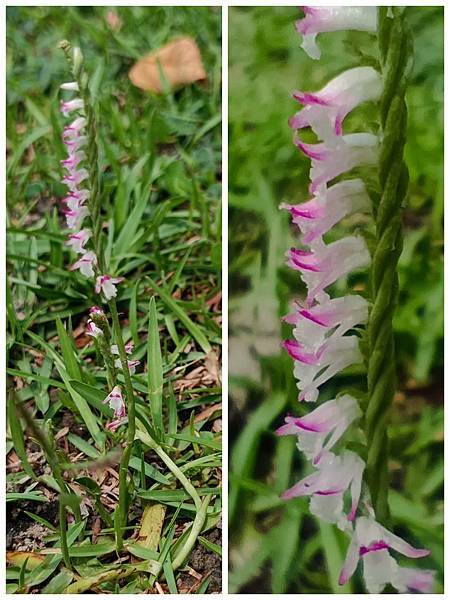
<point>205,563</point>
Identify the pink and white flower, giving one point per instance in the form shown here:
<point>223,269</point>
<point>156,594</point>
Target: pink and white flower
<point>320,19</point>
<point>67,107</point>
<point>327,486</point>
<point>116,402</point>
<point>75,199</point>
<point>371,543</point>
<point>107,285</point>
<point>321,267</point>
<point>96,310</point>
<point>74,179</point>
<point>313,369</point>
<point>129,346</point>
<point>93,330</point>
<point>327,162</point>
<point>322,428</point>
<point>326,109</point>
<point>75,216</point>
<point>132,364</point>
<point>72,161</point>
<point>414,581</point>
<point>330,318</point>
<point>86,264</point>
<point>318,215</point>
<point>73,130</point>
<point>78,240</point>
<point>75,143</point>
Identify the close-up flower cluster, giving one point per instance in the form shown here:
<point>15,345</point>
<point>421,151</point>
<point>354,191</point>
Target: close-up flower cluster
<point>325,341</point>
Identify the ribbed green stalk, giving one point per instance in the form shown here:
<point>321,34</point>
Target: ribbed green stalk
<point>120,520</point>
<point>395,60</point>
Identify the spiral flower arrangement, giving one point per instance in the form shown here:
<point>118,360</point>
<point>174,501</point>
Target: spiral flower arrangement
<point>345,488</point>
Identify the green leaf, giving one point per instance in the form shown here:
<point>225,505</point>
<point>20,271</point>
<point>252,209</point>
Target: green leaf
<point>155,368</point>
<point>68,352</point>
<point>80,402</point>
<point>193,329</point>
<point>17,435</point>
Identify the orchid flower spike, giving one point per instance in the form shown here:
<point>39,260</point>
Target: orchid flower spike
<point>106,284</point>
<point>322,267</point>
<point>313,369</point>
<point>116,402</point>
<point>318,215</point>
<point>320,19</point>
<point>78,240</point>
<point>327,486</point>
<point>327,162</point>
<point>371,542</point>
<point>322,428</point>
<point>330,318</point>
<point>86,264</point>
<point>325,110</point>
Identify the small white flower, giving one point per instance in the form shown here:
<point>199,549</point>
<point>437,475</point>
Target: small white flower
<point>318,215</point>
<point>327,486</point>
<point>371,543</point>
<point>326,109</point>
<point>106,284</point>
<point>86,264</point>
<point>116,403</point>
<point>320,19</point>
<point>78,240</point>
<point>320,430</point>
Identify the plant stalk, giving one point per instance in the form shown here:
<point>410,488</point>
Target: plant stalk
<point>395,61</point>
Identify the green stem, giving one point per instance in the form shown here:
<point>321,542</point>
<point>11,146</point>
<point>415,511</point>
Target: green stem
<point>395,56</point>
<point>53,462</point>
<point>131,412</point>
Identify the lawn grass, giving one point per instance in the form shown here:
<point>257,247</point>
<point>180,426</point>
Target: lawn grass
<point>276,546</point>
<point>161,198</point>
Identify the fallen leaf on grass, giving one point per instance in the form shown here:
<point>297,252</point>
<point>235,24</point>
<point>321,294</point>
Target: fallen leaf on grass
<point>151,526</point>
<point>207,412</point>
<point>212,366</point>
<point>18,558</point>
<point>179,60</point>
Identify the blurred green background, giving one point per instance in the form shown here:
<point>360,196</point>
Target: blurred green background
<point>277,546</point>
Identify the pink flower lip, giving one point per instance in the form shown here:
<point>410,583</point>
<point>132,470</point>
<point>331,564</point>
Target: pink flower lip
<point>308,315</point>
<point>297,353</point>
<point>307,427</point>
<point>330,492</point>
<point>373,547</point>
<point>304,266</point>
<point>307,98</point>
<point>307,149</point>
<point>304,214</point>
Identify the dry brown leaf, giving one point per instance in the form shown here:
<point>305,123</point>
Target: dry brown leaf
<point>212,366</point>
<point>179,60</point>
<point>207,412</point>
